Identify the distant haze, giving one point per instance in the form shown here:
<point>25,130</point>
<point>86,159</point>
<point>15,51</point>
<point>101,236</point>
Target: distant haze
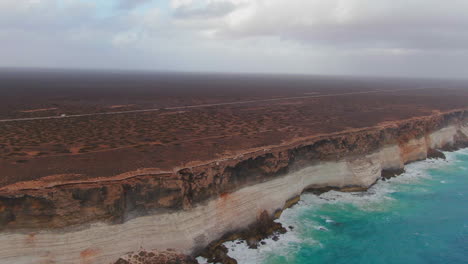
<point>416,38</point>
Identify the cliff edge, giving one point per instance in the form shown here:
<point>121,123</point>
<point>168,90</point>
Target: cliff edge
<point>98,220</point>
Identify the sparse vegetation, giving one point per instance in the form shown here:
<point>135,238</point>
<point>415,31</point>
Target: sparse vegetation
<point>110,144</point>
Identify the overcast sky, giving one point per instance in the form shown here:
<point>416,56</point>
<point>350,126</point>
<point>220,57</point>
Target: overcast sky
<point>415,38</point>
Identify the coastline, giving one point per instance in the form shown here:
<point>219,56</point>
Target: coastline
<point>326,225</point>
<point>206,215</point>
<point>254,237</point>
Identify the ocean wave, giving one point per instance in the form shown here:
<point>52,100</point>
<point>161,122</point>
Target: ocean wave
<point>376,198</point>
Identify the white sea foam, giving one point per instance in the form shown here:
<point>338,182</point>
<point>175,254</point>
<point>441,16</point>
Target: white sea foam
<point>376,198</point>
<point>321,228</point>
<point>287,245</point>
<point>202,260</point>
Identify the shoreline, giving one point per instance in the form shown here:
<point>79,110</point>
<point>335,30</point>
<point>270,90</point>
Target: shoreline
<point>376,199</point>
<point>217,252</point>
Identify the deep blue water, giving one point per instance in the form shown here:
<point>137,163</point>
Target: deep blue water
<point>418,217</point>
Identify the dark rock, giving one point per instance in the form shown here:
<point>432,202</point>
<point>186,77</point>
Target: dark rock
<point>263,228</point>
<point>435,154</point>
<point>159,257</point>
<point>252,243</point>
<point>390,173</point>
<point>320,190</point>
<point>218,254</point>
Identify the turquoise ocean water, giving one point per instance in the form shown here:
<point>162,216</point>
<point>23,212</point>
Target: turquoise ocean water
<point>418,217</point>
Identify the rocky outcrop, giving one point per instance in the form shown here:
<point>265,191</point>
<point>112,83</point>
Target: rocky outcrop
<point>159,257</point>
<point>435,154</point>
<point>99,220</point>
<point>265,226</point>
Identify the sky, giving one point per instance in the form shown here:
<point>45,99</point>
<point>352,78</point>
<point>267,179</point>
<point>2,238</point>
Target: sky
<point>409,38</point>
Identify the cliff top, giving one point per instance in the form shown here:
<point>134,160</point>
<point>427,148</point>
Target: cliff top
<point>90,129</point>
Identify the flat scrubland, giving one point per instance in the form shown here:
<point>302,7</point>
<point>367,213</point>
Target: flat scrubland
<point>106,145</point>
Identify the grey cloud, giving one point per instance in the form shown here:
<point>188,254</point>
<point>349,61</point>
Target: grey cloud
<point>380,36</point>
<point>211,10</point>
<point>421,38</point>
<point>46,17</point>
<point>419,25</point>
<point>129,4</point>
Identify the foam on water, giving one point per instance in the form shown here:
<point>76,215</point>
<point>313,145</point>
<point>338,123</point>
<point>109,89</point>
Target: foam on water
<point>311,217</point>
<point>202,260</point>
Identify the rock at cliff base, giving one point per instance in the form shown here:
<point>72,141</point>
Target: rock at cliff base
<point>156,257</point>
<point>218,254</point>
<point>387,174</point>
<point>264,227</point>
<point>435,154</point>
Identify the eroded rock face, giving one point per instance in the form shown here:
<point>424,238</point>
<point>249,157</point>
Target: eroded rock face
<point>66,205</point>
<point>141,193</point>
<point>263,227</point>
<point>156,257</point>
<point>193,206</point>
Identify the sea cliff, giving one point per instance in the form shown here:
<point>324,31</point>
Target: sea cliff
<point>54,220</point>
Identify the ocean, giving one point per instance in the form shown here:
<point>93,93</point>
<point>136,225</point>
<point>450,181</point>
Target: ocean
<point>420,216</point>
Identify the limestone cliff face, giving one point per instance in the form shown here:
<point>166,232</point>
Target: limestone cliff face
<point>97,221</point>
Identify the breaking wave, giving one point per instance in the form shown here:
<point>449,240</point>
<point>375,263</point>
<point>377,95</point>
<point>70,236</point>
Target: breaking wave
<point>314,220</point>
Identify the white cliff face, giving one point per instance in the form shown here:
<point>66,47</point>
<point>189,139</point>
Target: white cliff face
<point>195,228</point>
<point>415,149</point>
<point>443,137</point>
<point>464,129</point>
<point>390,157</point>
<point>185,230</point>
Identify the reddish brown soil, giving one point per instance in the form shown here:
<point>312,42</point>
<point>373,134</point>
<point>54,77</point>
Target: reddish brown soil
<point>108,145</point>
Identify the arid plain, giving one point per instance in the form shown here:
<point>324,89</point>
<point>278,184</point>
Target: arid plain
<point>191,118</point>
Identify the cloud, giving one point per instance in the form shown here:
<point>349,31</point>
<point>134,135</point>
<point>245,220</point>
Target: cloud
<point>129,4</point>
<point>376,37</point>
<point>351,23</point>
<point>209,10</point>
<point>180,3</point>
